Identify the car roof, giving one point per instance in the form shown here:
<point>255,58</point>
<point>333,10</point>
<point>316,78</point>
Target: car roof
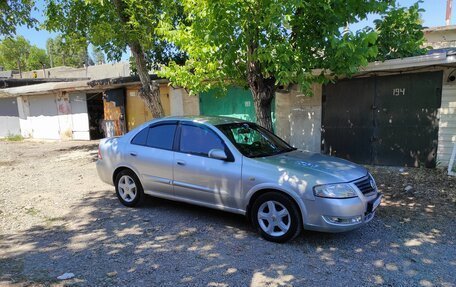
<point>213,120</point>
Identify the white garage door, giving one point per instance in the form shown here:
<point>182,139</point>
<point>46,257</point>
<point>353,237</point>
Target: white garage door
<point>80,118</point>
<point>43,117</point>
<point>9,118</point>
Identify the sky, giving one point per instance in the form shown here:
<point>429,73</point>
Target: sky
<point>433,16</point>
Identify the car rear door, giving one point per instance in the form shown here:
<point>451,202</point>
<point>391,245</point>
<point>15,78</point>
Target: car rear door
<point>202,179</point>
<point>151,153</point>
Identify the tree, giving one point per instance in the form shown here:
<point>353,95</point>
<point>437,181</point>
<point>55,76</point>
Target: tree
<point>67,51</point>
<point>14,13</point>
<point>400,33</point>
<point>98,55</point>
<point>113,26</point>
<point>265,44</point>
<point>14,53</point>
<point>18,53</point>
<point>37,58</point>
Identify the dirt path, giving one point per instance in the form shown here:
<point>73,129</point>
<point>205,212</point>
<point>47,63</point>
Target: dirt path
<point>56,216</point>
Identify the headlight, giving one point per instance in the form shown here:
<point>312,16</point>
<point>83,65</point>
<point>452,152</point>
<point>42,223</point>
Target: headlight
<point>338,190</point>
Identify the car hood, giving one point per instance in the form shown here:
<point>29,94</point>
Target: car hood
<point>325,168</point>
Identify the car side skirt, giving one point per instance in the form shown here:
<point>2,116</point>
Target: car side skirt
<point>195,202</point>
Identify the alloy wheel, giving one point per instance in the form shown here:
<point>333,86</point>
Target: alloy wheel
<point>274,218</point>
<point>127,188</point>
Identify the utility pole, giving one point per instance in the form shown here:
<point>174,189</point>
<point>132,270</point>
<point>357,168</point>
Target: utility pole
<point>20,68</point>
<point>448,12</point>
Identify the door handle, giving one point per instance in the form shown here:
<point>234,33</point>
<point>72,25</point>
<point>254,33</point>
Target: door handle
<point>180,162</point>
<point>133,154</point>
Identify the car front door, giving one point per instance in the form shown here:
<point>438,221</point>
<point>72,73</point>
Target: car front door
<point>202,179</point>
<point>151,153</point>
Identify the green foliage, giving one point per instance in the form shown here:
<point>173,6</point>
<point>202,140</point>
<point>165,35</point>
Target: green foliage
<point>13,52</point>
<point>18,51</point>
<point>287,40</point>
<point>400,33</point>
<point>37,58</point>
<point>81,22</point>
<point>68,51</point>
<point>13,138</point>
<point>98,55</point>
<point>99,23</point>
<point>14,13</point>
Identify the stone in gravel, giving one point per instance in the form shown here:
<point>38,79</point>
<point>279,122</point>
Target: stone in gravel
<point>65,276</point>
<point>112,274</point>
<point>408,189</point>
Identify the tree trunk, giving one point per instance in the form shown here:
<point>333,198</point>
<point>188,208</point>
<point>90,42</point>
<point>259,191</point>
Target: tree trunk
<point>263,91</point>
<point>150,89</point>
<point>20,68</point>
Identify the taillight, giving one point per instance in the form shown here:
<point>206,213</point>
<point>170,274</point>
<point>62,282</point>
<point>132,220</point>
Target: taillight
<point>99,153</point>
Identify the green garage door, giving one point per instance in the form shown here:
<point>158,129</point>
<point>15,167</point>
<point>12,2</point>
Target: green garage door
<point>234,102</point>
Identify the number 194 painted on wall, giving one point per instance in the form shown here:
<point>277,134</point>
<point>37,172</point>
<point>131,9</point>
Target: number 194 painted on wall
<point>399,92</point>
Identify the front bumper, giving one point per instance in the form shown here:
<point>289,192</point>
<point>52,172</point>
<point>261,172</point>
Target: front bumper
<point>339,215</point>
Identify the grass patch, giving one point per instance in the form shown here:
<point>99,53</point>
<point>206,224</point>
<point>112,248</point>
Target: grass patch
<point>50,221</point>
<point>32,211</point>
<point>14,138</point>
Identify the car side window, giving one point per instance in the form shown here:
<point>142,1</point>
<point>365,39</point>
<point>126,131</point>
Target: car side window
<point>161,136</point>
<point>141,137</point>
<point>198,140</point>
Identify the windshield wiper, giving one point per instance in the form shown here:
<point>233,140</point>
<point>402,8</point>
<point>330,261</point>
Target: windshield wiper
<point>274,153</point>
<point>285,150</point>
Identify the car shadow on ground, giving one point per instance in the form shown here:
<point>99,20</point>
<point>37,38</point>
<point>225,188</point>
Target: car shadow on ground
<point>165,243</point>
<point>84,146</point>
<point>90,150</point>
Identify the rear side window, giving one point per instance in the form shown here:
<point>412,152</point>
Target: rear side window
<point>161,136</point>
<point>141,137</point>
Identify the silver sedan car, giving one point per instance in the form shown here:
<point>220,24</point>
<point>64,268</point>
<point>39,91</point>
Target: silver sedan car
<point>239,167</point>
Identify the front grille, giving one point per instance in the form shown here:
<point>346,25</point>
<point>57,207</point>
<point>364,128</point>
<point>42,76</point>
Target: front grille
<point>364,184</point>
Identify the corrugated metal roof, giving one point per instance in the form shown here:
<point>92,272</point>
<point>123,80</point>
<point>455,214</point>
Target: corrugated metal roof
<point>439,28</point>
<point>13,82</point>
<point>122,80</point>
<point>45,88</point>
<point>410,62</point>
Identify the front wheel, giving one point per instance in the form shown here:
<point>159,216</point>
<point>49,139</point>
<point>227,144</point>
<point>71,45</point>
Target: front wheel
<point>129,189</point>
<point>276,217</point>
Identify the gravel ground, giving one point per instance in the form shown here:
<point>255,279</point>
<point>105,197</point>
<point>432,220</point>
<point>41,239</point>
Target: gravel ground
<point>56,216</point>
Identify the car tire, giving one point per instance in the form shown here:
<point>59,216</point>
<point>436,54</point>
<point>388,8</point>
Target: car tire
<point>276,217</point>
<point>129,189</point>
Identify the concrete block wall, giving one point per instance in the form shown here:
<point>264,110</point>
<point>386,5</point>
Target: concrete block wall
<point>183,104</point>
<point>95,72</point>
<point>298,117</point>
<point>447,120</point>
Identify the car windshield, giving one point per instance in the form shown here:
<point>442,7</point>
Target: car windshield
<point>254,141</point>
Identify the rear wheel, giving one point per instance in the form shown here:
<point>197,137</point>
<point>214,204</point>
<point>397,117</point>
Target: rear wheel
<point>129,189</point>
<point>276,217</point>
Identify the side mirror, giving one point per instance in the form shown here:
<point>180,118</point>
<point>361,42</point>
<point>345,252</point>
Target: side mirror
<point>217,154</point>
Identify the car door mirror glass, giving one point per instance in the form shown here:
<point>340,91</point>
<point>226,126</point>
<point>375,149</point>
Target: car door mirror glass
<point>217,154</point>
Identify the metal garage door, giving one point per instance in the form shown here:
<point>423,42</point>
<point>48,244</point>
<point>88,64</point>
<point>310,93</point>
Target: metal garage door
<point>235,102</point>
<point>9,117</point>
<point>43,117</point>
<point>389,120</point>
<point>79,118</point>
